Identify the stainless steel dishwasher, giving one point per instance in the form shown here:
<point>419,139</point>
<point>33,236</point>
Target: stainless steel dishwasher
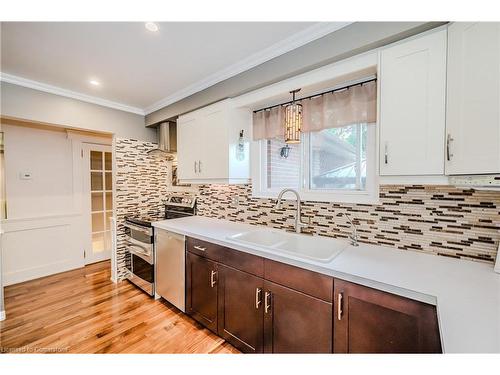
<point>170,267</point>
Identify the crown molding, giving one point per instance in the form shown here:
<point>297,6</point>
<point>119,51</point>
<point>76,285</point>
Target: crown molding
<point>296,40</point>
<point>20,81</point>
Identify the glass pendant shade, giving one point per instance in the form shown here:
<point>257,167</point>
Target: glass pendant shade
<point>293,121</point>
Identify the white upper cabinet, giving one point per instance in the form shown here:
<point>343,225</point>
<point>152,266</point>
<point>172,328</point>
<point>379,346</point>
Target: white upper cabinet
<point>473,99</point>
<point>412,80</point>
<point>207,145</point>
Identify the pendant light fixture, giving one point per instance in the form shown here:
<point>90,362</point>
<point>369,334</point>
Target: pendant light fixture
<point>293,120</point>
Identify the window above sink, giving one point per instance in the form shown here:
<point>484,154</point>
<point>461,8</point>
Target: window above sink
<point>331,165</point>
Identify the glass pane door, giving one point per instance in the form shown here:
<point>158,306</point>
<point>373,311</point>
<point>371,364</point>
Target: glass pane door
<point>101,207</point>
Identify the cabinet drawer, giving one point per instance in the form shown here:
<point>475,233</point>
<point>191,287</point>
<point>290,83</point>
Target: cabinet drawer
<point>242,261</point>
<point>204,249</point>
<point>305,281</point>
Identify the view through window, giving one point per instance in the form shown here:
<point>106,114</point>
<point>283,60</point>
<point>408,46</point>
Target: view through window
<point>338,158</point>
<point>330,159</point>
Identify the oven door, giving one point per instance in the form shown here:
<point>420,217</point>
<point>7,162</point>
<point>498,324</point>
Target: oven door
<point>141,268</point>
<point>138,233</point>
<point>144,251</point>
<point>142,274</point>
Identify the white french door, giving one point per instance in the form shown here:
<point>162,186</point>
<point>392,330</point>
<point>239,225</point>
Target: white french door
<point>98,201</point>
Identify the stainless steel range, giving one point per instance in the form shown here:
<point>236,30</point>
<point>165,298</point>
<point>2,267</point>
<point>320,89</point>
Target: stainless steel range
<point>140,240</point>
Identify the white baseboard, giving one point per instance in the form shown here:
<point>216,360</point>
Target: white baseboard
<point>22,275</point>
<point>2,315</point>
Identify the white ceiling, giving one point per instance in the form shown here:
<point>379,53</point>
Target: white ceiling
<point>139,70</point>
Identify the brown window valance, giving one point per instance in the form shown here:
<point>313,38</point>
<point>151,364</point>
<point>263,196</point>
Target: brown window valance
<point>357,104</point>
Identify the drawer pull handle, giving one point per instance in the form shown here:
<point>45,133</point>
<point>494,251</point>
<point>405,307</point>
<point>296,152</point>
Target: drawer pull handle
<point>213,281</point>
<point>339,307</point>
<point>267,302</point>
<point>200,248</point>
<point>258,298</point>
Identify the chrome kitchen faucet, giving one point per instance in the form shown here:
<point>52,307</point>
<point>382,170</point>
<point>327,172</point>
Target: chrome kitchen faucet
<point>299,224</point>
<point>354,235</point>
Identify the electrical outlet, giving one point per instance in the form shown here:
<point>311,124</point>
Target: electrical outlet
<point>235,201</point>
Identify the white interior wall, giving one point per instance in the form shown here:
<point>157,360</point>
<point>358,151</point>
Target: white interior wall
<point>47,156</point>
<point>29,104</point>
<point>43,232</point>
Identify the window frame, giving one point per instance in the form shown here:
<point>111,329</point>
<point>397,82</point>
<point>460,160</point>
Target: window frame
<point>368,196</point>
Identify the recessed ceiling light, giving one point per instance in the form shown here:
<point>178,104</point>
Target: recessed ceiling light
<point>151,26</point>
<point>94,82</point>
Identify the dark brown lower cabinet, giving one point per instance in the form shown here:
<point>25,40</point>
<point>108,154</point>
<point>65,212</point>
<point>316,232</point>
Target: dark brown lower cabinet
<point>240,309</point>
<point>259,305</point>
<point>295,322</point>
<point>367,320</point>
<point>201,290</point>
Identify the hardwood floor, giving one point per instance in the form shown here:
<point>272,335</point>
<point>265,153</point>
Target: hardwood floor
<point>82,311</point>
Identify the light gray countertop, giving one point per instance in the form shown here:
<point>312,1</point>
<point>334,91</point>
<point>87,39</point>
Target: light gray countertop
<point>466,294</point>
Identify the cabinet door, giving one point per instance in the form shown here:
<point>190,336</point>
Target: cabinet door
<point>214,145</point>
<point>412,106</point>
<point>295,322</point>
<point>201,290</point>
<point>188,149</point>
<point>370,321</point>
<point>473,98</point>
<point>240,309</point>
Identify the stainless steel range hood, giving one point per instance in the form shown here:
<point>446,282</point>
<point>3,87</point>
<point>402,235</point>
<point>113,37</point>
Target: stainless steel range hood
<point>167,138</point>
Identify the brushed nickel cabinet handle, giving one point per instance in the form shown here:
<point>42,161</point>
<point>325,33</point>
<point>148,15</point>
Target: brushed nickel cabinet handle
<point>267,302</point>
<point>339,307</point>
<point>199,248</point>
<point>199,166</point>
<point>213,281</point>
<point>258,297</point>
<point>449,139</point>
<point>194,167</point>
<point>386,154</point>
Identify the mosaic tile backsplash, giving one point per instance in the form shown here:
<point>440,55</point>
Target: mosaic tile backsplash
<point>441,220</point>
<point>141,186</point>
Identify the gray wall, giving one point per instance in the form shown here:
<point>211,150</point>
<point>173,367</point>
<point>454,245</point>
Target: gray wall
<point>349,41</point>
<point>28,104</point>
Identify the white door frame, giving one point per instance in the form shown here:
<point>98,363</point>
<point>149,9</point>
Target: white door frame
<point>86,200</point>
